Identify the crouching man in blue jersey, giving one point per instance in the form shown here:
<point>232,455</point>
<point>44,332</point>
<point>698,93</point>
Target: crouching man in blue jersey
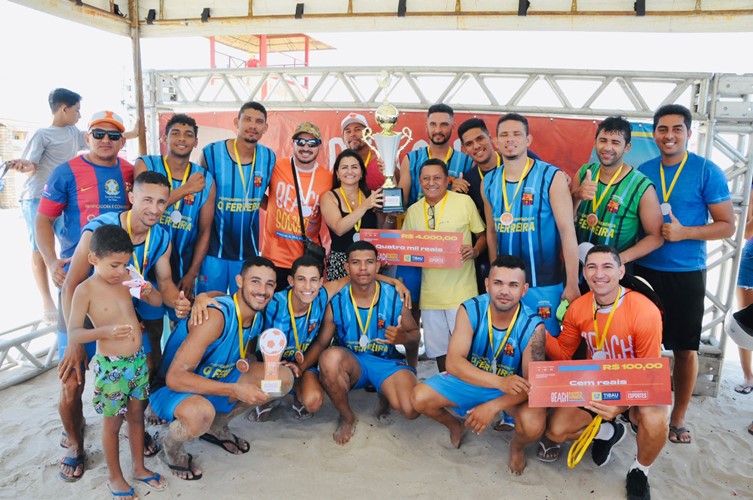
<point>495,338</point>
<point>369,319</point>
<point>202,386</point>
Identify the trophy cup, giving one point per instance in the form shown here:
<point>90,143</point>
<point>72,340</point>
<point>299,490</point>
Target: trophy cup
<point>387,148</point>
<point>272,343</point>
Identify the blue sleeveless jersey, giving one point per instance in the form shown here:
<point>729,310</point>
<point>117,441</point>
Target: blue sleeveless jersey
<point>482,353</point>
<point>277,315</point>
<point>218,361</point>
<point>185,232</point>
<point>235,232</point>
<point>158,243</point>
<point>533,234</point>
<point>386,312</point>
<point>459,162</point>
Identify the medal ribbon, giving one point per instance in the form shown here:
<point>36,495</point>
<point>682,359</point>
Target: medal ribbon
<point>357,227</point>
<point>499,162</point>
<point>170,178</point>
<point>437,216</point>
<point>666,194</point>
<point>446,157</point>
<point>146,246</point>
<point>292,319</point>
<point>368,159</point>
<point>600,341</point>
<point>241,346</point>
<point>508,206</point>
<point>596,203</point>
<point>240,169</point>
<point>371,310</point>
<point>507,335</point>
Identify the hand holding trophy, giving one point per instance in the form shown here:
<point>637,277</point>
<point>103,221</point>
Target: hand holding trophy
<point>388,148</point>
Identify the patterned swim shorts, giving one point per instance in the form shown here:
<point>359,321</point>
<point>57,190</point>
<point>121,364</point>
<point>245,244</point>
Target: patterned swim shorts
<point>117,379</point>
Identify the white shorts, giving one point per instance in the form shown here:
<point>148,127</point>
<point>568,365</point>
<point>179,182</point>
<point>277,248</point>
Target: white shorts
<point>438,326</point>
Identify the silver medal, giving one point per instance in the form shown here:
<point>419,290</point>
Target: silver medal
<point>363,341</point>
<point>307,210</point>
<point>597,355</point>
<point>494,366</point>
<point>666,208</point>
<point>357,237</point>
<point>176,216</point>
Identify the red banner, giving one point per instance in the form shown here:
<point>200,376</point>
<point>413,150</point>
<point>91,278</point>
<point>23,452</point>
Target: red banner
<point>564,142</point>
<point>416,248</point>
<point>619,382</point>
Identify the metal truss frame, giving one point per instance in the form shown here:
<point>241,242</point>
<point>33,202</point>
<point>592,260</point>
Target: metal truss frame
<point>722,106</point>
<point>19,361</point>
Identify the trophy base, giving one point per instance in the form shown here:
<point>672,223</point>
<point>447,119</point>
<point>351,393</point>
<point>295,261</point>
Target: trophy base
<point>272,387</point>
<point>393,200</point>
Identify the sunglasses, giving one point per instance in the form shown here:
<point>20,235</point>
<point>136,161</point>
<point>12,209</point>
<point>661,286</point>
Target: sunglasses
<point>312,143</point>
<point>113,135</point>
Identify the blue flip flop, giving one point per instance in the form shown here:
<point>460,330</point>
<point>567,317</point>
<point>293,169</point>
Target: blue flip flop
<point>73,462</point>
<point>147,481</point>
<point>120,494</point>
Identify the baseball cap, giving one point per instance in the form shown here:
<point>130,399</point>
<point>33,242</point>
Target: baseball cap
<point>107,117</point>
<point>353,118</point>
<point>307,128</point>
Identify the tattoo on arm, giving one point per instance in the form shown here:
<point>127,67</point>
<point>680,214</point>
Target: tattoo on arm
<point>538,344</point>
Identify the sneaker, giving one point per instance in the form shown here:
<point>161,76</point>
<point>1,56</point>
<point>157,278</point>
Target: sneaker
<point>637,486</point>
<point>601,451</point>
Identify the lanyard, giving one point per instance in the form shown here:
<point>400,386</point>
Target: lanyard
<point>293,321</point>
<point>600,341</point>
<point>170,178</point>
<point>666,194</point>
<point>507,335</point>
<point>594,203</point>
<point>146,246</point>
<point>240,168</point>
<point>508,206</point>
<point>305,199</point>
<point>371,310</point>
<point>438,216</point>
<point>446,157</point>
<point>241,345</point>
<point>481,172</point>
<point>357,227</point>
<point>368,159</point>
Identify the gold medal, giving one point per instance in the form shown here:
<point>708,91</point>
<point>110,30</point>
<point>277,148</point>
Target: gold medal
<point>592,220</point>
<point>242,365</point>
<point>506,219</point>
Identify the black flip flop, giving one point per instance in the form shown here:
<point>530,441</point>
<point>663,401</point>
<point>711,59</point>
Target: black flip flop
<point>209,438</point>
<point>180,468</point>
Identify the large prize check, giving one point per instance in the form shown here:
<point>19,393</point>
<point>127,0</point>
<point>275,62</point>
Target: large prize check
<point>619,382</point>
<point>416,248</point>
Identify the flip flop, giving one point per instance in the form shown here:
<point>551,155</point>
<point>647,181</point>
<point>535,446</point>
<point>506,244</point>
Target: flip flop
<point>544,450</point>
<point>180,468</point>
<point>261,413</point>
<point>120,494</point>
<point>744,389</point>
<point>148,482</point>
<point>209,438</point>
<point>678,431</point>
<point>300,412</point>
<point>73,462</point>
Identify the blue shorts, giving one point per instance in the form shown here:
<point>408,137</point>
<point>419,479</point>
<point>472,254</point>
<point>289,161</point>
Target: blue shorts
<point>29,209</point>
<point>411,278</point>
<point>164,400</point>
<point>218,275</point>
<point>544,300</point>
<point>376,369</point>
<point>91,347</point>
<point>464,396</point>
<point>745,276</point>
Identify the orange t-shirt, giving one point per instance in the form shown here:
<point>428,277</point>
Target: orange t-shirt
<point>282,225</point>
<point>635,331</point>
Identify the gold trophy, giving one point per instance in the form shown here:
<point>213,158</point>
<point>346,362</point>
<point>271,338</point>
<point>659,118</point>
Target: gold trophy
<point>272,343</point>
<point>388,148</point>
